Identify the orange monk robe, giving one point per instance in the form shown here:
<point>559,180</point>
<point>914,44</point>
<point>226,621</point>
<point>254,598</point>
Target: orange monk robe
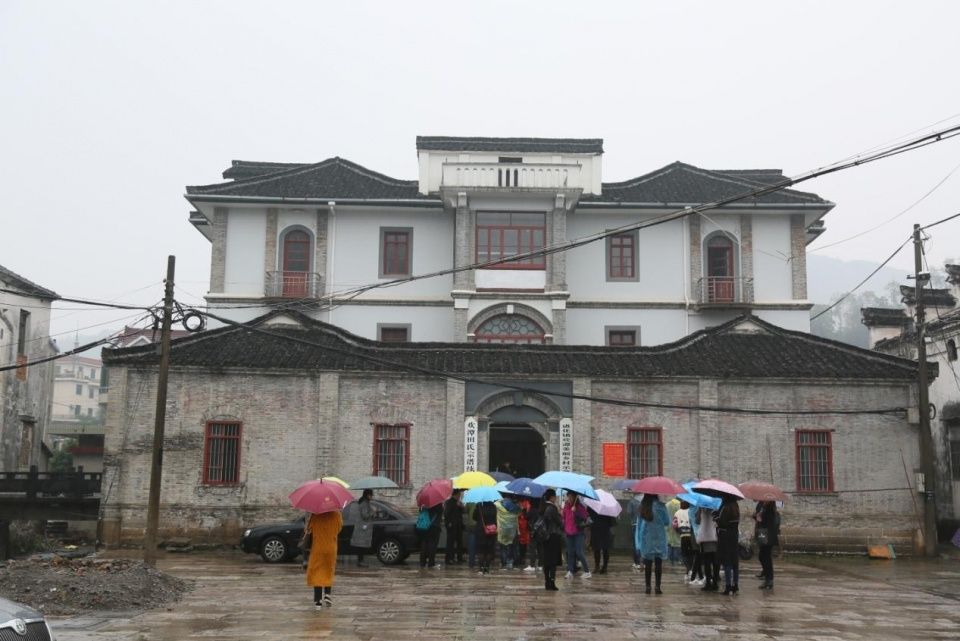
<point>324,529</point>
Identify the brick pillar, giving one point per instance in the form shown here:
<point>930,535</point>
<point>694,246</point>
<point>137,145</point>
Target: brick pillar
<point>746,256</point>
<point>559,320</point>
<point>464,253</point>
<point>456,413</point>
<point>320,249</point>
<point>270,262</point>
<point>556,264</point>
<point>583,460</point>
<point>328,422</point>
<point>116,424</point>
<point>798,256</point>
<point>218,250</point>
<point>708,435</point>
<point>696,260</point>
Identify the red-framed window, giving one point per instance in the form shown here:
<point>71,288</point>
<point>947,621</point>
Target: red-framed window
<point>504,234</point>
<point>509,328</point>
<point>622,261</point>
<point>221,453</point>
<point>622,337</point>
<point>814,461</point>
<point>721,270</point>
<point>644,452</point>
<point>391,452</point>
<point>395,252</point>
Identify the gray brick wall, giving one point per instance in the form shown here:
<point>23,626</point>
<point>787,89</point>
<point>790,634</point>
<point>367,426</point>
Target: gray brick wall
<point>798,256</point>
<point>302,426</point>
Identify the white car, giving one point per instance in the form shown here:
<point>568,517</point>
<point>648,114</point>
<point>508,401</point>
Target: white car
<point>20,623</point>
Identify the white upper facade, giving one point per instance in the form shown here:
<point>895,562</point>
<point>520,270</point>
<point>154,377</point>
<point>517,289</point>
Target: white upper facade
<point>327,238</point>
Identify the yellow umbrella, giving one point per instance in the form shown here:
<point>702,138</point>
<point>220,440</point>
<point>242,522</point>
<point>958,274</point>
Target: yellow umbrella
<point>469,480</point>
<point>335,479</point>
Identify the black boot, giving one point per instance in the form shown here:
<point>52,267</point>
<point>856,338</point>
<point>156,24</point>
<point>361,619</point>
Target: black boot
<point>647,570</point>
<point>658,573</point>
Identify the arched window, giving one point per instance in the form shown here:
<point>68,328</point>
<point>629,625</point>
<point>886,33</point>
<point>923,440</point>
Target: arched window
<point>509,328</point>
<point>721,270</point>
<point>951,350</point>
<point>295,261</point>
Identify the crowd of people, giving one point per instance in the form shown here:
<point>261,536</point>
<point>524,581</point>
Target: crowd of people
<point>540,535</point>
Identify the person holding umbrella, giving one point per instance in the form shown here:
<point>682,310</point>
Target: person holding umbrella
<point>728,538</point>
<point>323,500</point>
<point>706,531</point>
<point>453,521</point>
<point>551,547</point>
<point>485,515</point>
<point>575,520</point>
<point>767,537</point>
<point>430,537</point>
<point>362,536</point>
<point>651,536</point>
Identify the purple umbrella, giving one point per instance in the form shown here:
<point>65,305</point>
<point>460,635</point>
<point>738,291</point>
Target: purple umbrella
<point>606,505</point>
<point>716,487</point>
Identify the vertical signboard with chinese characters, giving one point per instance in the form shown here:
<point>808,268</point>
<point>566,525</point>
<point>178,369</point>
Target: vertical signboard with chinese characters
<point>470,444</point>
<point>566,445</point>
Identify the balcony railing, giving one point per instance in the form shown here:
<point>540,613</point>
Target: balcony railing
<point>725,290</point>
<point>293,285</point>
<point>524,175</point>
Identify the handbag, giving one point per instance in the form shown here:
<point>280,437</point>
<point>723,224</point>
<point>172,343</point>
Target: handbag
<point>763,536</point>
<point>488,529</point>
<point>582,522</point>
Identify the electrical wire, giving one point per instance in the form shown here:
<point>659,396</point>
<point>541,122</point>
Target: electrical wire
<point>76,350</point>
<point>862,282</point>
<point>941,221</point>
<point>81,301</point>
<point>593,399</point>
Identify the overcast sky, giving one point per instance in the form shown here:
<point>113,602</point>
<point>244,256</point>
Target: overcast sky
<point>110,108</point>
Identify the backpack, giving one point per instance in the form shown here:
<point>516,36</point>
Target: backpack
<point>424,522</point>
<point>539,531</point>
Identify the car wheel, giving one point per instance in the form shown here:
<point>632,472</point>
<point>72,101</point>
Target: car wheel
<point>273,550</point>
<point>390,552</point>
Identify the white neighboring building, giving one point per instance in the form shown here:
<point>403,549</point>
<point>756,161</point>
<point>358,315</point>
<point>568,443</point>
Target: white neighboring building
<point>289,234</point>
<point>76,388</point>
<point>25,392</point>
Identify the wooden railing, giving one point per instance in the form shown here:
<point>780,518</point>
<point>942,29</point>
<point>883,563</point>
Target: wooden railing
<point>35,483</point>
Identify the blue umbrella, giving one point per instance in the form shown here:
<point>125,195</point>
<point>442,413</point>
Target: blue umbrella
<point>699,500</point>
<point>501,486</point>
<point>623,484</point>
<point>526,487</point>
<point>501,476</point>
<point>570,481</point>
<point>481,495</point>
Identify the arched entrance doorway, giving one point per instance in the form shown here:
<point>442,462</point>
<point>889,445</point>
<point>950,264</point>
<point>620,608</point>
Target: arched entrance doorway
<point>517,448</point>
<point>517,444</point>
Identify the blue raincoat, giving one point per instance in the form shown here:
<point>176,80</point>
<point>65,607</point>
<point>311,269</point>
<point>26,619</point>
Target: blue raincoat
<point>650,536</point>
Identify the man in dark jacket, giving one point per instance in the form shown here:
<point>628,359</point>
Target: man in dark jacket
<point>453,521</point>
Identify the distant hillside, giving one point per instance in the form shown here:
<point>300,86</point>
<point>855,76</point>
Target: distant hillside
<point>827,277</point>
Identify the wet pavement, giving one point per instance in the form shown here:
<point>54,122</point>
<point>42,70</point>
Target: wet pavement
<point>238,597</point>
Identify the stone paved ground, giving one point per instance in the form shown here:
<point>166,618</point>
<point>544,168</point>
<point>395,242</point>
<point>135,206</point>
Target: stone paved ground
<point>240,598</point>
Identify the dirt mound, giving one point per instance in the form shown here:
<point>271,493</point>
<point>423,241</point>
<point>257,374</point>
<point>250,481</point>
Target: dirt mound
<point>56,585</point>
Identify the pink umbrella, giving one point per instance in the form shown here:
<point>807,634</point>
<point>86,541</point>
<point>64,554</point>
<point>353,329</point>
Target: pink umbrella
<point>320,496</point>
<point>716,487</point>
<point>657,485</point>
<point>434,492</point>
<point>760,491</point>
<point>607,505</point>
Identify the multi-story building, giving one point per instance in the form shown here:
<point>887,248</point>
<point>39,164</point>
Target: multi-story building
<point>77,411</point>
<point>309,235</point>
<point>25,392</point>
<point>893,331</point>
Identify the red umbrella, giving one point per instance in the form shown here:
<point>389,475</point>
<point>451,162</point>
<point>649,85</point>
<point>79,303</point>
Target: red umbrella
<point>716,487</point>
<point>434,492</point>
<point>320,496</point>
<point>760,491</point>
<point>657,485</point>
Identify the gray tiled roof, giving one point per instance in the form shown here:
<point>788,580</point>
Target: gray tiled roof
<point>508,145</point>
<point>931,296</point>
<point>332,178</point>
<point>680,183</point>
<point>677,183</point>
<point>16,281</point>
<point>718,352</point>
<point>883,317</point>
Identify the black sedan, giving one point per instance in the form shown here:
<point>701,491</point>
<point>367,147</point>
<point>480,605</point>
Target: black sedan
<point>394,535</point>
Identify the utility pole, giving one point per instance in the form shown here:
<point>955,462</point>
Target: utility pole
<point>923,400</point>
<point>153,505</point>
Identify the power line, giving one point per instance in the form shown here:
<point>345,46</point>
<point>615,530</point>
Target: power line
<point>76,350</point>
<point>862,282</point>
<point>941,221</point>
<point>594,399</point>
<point>77,300</point>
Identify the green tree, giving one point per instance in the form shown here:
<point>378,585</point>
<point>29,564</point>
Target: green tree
<point>62,459</point>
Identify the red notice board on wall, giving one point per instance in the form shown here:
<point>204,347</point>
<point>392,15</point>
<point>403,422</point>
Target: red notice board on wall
<point>614,459</point>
